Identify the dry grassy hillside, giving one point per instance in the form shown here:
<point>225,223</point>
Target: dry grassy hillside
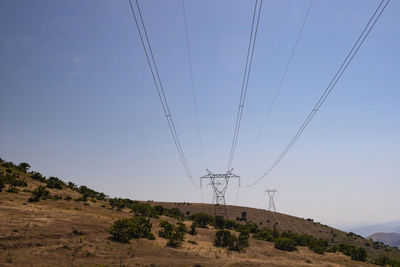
<point>76,233</point>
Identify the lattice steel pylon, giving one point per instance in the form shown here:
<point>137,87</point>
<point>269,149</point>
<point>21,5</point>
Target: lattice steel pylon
<point>219,183</point>
<point>271,195</point>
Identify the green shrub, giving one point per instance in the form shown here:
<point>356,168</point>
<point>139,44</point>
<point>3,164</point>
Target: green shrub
<point>125,229</point>
<point>243,217</point>
<point>219,222</point>
<point>24,167</point>
<point>39,193</point>
<point>143,209</point>
<point>68,198</point>
<point>57,197</point>
<point>386,261</point>
<point>72,186</point>
<point>175,240</point>
<point>231,224</point>
<point>1,185</point>
<point>166,229</point>
<point>202,220</point>
<point>243,241</point>
<point>38,177</point>
<point>224,238</point>
<point>12,189</point>
<point>193,229</point>
<point>54,182</point>
<point>284,243</point>
<point>359,254</point>
<point>174,234</point>
<point>265,235</point>
<point>174,213</point>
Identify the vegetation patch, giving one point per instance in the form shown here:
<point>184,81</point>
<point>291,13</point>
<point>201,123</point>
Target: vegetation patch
<point>124,230</point>
<point>40,193</point>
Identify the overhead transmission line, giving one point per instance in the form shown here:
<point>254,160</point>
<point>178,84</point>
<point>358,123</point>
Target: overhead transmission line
<point>367,29</point>
<point>158,84</point>
<point>246,75</point>
<point>282,79</point>
<point>196,110</point>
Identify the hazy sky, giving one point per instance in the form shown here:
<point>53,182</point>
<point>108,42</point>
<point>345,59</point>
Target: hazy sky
<point>77,101</point>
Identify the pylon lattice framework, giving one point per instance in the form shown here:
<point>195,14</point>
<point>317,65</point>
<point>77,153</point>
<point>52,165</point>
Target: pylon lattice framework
<point>219,183</point>
<point>271,195</point>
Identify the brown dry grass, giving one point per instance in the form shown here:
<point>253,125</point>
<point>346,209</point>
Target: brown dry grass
<point>41,234</point>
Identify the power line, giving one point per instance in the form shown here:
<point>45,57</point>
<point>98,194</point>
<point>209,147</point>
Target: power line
<point>158,84</point>
<point>283,77</point>
<point>193,83</point>
<point>367,29</point>
<point>246,75</point>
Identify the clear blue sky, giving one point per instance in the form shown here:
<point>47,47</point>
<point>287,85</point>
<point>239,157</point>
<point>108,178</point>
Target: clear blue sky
<point>77,101</point>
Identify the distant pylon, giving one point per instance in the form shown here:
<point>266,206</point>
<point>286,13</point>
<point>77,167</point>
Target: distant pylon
<point>271,195</point>
<point>219,183</point>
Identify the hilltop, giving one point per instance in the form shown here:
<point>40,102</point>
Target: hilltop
<point>48,222</point>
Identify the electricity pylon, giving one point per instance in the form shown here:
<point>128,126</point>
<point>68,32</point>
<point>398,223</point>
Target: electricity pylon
<point>219,183</point>
<point>271,195</point>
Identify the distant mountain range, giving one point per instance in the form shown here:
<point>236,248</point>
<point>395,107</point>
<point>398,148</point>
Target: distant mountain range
<point>367,230</point>
<point>391,239</point>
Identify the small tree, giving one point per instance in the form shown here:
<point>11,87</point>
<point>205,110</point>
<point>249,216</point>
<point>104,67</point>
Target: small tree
<point>243,240</point>
<point>224,238</point>
<point>122,230</point>
<point>175,240</point>
<point>202,220</point>
<point>193,229</point>
<point>39,193</point>
<point>54,182</point>
<point>1,184</point>
<point>125,229</point>
<point>219,222</point>
<point>38,176</point>
<point>284,243</point>
<point>166,229</point>
<point>23,166</point>
<point>359,254</point>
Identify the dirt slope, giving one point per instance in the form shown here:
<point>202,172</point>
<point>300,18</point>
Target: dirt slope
<point>42,234</point>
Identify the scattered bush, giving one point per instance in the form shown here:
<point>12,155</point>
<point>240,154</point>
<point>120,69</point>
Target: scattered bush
<point>1,185</point>
<point>11,179</point>
<point>219,222</point>
<point>12,189</point>
<point>166,229</point>
<point>386,261</point>
<point>68,198</point>
<point>284,243</point>
<point>54,182</point>
<point>38,177</point>
<point>57,197</point>
<point>193,229</point>
<point>224,238</point>
<point>174,234</point>
<point>125,229</point>
<point>39,193</point>
<point>202,220</point>
<point>84,190</point>
<point>24,167</point>
<point>72,186</point>
<point>265,234</point>
<point>359,254</point>
<point>356,253</point>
